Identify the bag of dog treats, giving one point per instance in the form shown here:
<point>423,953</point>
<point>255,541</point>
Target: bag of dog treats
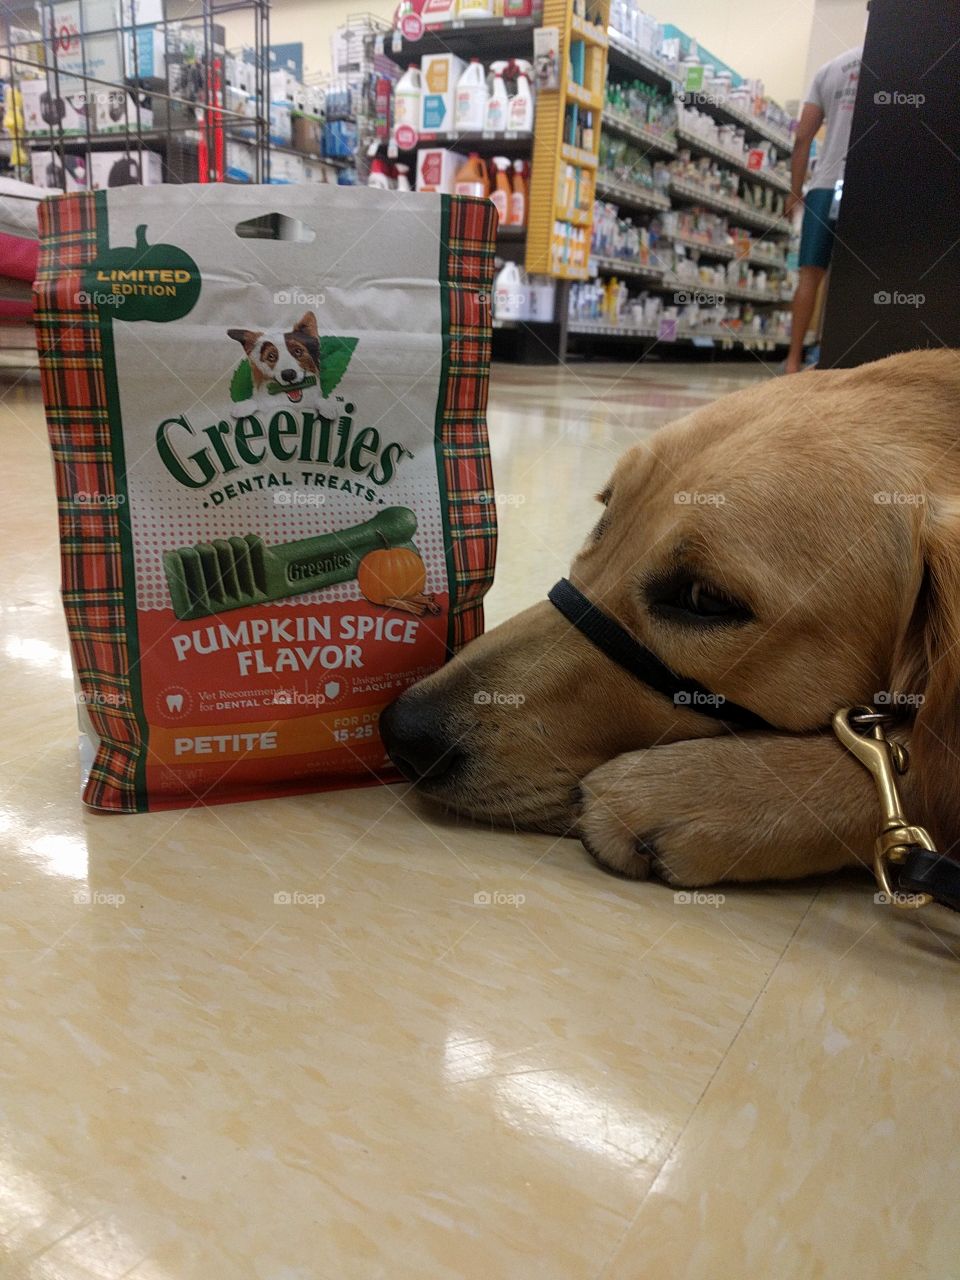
<point>272,469</point>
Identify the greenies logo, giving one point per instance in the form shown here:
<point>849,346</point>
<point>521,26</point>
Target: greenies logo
<point>158,282</point>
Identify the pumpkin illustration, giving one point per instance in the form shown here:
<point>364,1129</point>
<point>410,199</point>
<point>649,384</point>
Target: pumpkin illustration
<point>158,282</point>
<point>390,574</point>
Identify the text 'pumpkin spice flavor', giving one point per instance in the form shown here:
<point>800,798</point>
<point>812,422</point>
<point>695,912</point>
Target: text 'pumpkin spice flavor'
<point>273,477</point>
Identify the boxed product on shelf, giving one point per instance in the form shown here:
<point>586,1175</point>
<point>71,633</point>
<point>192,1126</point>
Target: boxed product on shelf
<point>68,173</point>
<point>55,103</point>
<point>283,87</point>
<point>241,160</point>
<point>307,135</point>
<point>125,169</point>
<point>440,73</point>
<point>281,124</point>
<point>285,168</point>
<point>339,139</point>
<point>437,169</point>
<point>116,111</point>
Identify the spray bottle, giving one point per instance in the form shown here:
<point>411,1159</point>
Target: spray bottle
<point>520,113</point>
<point>501,191</point>
<point>518,196</point>
<point>498,103</point>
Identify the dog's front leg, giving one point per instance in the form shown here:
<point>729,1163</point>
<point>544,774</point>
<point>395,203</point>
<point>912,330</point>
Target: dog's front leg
<point>757,806</point>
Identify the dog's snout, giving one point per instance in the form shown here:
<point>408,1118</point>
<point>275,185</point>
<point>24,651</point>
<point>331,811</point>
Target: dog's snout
<point>417,738</point>
<point>289,375</point>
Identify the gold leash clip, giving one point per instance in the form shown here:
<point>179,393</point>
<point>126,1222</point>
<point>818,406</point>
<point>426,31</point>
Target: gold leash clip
<point>884,760</point>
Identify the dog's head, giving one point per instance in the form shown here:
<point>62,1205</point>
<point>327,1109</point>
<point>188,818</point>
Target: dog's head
<point>794,548</point>
<point>284,358</point>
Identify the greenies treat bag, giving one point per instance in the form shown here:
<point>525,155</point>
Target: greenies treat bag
<point>272,471</point>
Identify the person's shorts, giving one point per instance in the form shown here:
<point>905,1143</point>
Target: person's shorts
<point>817,232</point>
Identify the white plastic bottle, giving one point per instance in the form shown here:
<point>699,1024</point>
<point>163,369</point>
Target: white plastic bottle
<point>403,177</point>
<point>498,103</point>
<point>406,98</point>
<point>520,113</point>
<point>470,115</point>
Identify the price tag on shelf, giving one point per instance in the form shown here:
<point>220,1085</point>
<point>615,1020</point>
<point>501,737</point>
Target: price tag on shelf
<point>511,134</point>
<point>509,22</point>
<point>411,24</point>
<point>488,133</point>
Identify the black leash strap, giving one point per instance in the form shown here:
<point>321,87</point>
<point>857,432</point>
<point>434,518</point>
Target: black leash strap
<point>926,871</point>
<point>619,645</point>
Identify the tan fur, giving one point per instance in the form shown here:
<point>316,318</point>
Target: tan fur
<point>851,595</point>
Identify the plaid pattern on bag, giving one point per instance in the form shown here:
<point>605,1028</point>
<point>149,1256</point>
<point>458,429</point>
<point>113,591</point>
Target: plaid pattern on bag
<point>89,507</point>
<point>467,277</point>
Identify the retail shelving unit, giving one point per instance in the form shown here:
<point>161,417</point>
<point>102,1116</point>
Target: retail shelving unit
<point>761,242</point>
<point>560,167</point>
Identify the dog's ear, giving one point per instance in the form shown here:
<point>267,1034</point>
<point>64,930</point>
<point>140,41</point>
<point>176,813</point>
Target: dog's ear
<point>246,337</point>
<point>927,667</point>
<point>307,324</point>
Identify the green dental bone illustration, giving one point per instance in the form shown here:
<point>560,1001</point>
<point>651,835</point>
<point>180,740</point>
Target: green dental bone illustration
<point>231,573</point>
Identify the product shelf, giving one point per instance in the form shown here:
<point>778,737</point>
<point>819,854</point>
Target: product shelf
<point>722,252</point>
<point>693,141</point>
<point>604,266</point>
<point>665,143</point>
<point>483,38</point>
<point>727,113</point>
<point>625,56</point>
<point>589,32</point>
<point>562,187</point>
<point>692,193</point>
<point>631,195</point>
<point>486,143</point>
<point>727,339</point>
<point>577,156</point>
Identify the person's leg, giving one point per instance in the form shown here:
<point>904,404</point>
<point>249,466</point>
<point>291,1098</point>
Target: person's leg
<point>816,246</point>
<point>804,300</point>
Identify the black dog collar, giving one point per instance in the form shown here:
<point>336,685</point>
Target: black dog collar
<point>619,645</point>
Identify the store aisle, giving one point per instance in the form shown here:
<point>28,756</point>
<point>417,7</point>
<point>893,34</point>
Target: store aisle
<point>289,1041</point>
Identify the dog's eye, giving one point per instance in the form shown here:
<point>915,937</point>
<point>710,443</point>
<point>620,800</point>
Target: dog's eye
<point>698,601</point>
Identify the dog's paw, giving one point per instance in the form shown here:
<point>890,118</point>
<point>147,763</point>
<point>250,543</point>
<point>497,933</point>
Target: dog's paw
<point>329,407</point>
<point>243,408</point>
<point>607,827</point>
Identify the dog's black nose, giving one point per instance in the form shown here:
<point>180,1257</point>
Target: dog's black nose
<point>417,739</point>
<point>289,375</point>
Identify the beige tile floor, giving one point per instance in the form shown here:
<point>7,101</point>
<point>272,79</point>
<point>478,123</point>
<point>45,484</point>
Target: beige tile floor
<point>598,1084</point>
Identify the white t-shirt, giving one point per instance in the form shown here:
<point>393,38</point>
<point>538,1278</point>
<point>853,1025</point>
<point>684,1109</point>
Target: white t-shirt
<point>834,90</point>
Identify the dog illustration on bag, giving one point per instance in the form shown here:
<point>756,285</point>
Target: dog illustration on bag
<point>281,367</point>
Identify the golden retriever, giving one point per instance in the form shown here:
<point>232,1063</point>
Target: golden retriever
<point>795,548</point>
